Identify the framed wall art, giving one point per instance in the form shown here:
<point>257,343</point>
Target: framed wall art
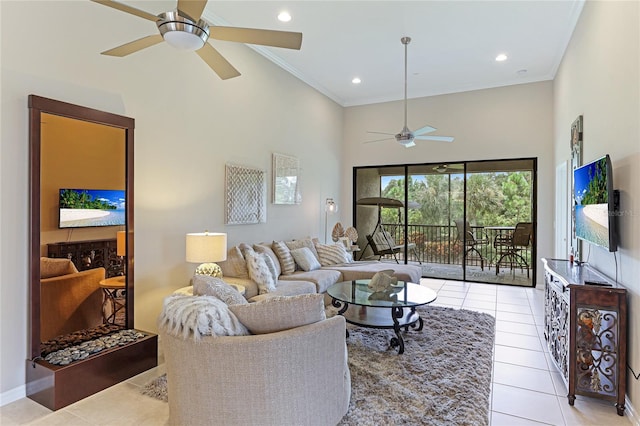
<point>286,180</point>
<point>245,195</point>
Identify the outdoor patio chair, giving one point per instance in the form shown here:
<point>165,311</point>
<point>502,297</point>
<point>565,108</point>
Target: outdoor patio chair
<point>510,247</point>
<point>383,244</point>
<point>471,243</point>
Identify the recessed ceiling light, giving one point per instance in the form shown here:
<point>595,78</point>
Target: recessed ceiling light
<point>356,80</point>
<point>284,16</point>
<point>501,57</point>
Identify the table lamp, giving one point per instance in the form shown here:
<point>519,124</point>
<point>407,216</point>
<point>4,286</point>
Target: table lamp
<point>206,248</point>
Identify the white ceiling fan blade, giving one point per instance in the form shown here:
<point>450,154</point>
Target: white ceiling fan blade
<point>436,138</point>
<point>383,133</point>
<point>286,39</point>
<point>380,140</point>
<point>134,46</point>
<point>423,130</point>
<point>193,8</point>
<point>217,62</point>
<point>127,9</point>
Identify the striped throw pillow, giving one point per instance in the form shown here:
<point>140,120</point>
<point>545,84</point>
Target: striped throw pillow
<point>332,254</point>
<point>287,264</point>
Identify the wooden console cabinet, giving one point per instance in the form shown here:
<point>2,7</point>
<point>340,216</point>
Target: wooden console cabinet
<point>90,254</point>
<point>585,324</point>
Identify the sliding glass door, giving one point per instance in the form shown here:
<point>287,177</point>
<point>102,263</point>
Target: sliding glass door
<point>470,221</point>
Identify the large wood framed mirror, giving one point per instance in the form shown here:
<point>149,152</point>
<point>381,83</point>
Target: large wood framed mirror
<point>81,249</point>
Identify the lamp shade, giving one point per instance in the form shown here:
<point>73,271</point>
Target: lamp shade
<point>121,243</point>
<point>206,247</point>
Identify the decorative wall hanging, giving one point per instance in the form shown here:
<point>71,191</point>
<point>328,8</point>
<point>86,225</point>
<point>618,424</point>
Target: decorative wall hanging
<point>286,180</point>
<point>245,195</point>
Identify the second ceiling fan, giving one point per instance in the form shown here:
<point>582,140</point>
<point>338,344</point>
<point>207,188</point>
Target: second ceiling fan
<point>184,29</point>
<point>406,137</point>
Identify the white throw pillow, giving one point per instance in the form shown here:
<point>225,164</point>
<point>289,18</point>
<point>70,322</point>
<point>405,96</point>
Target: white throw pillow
<point>204,285</point>
<point>281,313</point>
<point>197,316</point>
<point>259,271</point>
<point>305,259</point>
<point>332,254</point>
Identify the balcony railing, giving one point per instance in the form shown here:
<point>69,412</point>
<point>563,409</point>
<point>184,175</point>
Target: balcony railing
<point>440,244</point>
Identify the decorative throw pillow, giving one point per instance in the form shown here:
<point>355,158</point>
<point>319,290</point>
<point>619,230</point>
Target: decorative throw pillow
<point>204,285</point>
<point>259,271</point>
<point>332,254</point>
<point>235,265</point>
<point>51,267</point>
<point>197,316</point>
<point>281,313</point>
<point>265,248</point>
<point>305,242</point>
<point>305,259</point>
<point>287,265</point>
<point>272,267</point>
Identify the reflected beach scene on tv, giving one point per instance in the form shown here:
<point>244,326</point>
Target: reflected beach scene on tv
<point>80,208</point>
<point>592,202</point>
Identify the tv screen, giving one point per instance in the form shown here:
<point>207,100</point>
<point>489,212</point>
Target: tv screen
<point>82,208</point>
<point>595,203</point>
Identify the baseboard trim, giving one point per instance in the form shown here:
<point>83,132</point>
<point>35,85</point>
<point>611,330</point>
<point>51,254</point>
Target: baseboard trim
<point>13,395</point>
<point>631,412</point>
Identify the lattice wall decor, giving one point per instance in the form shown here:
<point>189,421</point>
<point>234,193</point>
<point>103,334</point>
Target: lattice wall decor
<point>245,195</point>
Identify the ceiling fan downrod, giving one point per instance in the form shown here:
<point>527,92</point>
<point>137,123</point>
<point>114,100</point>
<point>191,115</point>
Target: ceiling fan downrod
<point>405,41</point>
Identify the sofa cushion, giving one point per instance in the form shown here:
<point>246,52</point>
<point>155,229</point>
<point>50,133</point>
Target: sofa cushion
<point>204,285</point>
<point>305,259</point>
<point>287,288</point>
<point>332,254</point>
<point>197,316</point>
<point>305,242</point>
<point>322,278</point>
<point>235,265</point>
<point>50,267</point>
<point>259,271</point>
<point>280,313</point>
<point>265,248</point>
<point>287,264</point>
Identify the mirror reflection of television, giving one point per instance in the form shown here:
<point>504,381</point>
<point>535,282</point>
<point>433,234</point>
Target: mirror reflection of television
<point>595,204</point>
<point>84,208</point>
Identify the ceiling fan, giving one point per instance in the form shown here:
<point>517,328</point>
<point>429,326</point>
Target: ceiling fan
<point>184,29</point>
<point>406,137</point>
<point>444,168</point>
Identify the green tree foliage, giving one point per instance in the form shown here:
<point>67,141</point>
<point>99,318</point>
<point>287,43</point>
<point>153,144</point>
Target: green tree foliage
<point>493,199</point>
<point>596,192</point>
<point>71,199</point>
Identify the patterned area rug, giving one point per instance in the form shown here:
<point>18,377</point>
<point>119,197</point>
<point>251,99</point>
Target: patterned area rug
<point>443,377</point>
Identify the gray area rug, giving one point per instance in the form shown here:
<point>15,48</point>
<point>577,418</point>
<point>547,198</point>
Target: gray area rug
<point>443,377</point>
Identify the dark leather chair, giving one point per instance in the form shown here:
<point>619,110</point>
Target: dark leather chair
<point>510,247</point>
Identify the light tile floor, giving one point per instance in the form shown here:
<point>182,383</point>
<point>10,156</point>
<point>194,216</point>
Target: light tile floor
<point>527,389</point>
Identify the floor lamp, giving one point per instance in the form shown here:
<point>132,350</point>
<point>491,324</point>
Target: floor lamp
<point>330,206</point>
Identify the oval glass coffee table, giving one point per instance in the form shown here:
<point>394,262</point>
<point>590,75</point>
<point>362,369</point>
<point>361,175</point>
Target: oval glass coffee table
<point>394,308</point>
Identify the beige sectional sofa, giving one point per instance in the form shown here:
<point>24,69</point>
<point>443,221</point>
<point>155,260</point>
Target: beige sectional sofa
<point>318,280</point>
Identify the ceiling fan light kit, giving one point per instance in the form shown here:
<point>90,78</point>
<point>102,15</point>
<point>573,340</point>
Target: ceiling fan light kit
<point>182,32</point>
<point>406,137</point>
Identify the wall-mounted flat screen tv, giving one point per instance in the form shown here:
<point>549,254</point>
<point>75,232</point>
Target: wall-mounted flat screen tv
<point>82,208</point>
<point>595,204</point>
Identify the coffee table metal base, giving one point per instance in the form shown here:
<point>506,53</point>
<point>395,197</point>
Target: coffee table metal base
<point>381,317</point>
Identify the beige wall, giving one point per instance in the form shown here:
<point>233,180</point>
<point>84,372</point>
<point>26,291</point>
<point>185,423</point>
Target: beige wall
<point>189,123</point>
<point>600,78</point>
<point>507,122</point>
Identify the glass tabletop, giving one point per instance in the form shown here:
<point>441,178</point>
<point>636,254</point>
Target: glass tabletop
<point>403,294</point>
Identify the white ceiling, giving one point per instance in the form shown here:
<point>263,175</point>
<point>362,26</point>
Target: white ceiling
<point>453,48</point>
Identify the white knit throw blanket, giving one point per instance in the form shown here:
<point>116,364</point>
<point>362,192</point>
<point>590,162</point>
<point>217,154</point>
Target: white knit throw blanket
<point>197,316</point>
